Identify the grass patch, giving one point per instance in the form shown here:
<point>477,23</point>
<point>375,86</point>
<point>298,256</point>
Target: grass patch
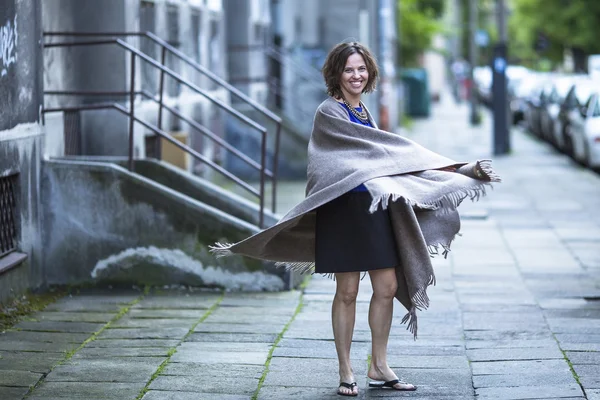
<point>20,308</point>
<point>564,353</point>
<point>275,343</point>
<point>173,349</point>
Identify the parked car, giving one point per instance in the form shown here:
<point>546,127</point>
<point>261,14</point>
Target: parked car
<point>576,100</point>
<point>560,87</point>
<point>535,102</point>
<point>578,86</point>
<point>584,132</point>
<point>519,97</point>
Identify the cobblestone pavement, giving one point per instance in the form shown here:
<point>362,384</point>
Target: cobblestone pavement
<point>515,313</point>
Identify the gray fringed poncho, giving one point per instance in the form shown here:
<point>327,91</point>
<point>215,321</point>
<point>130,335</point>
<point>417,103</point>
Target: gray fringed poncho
<point>400,175</point>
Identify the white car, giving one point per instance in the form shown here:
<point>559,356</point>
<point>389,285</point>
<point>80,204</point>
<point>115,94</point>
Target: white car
<point>584,131</point>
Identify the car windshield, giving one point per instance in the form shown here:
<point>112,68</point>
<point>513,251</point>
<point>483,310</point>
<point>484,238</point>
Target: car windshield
<point>583,91</point>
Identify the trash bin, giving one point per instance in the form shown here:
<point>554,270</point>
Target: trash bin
<point>416,92</point>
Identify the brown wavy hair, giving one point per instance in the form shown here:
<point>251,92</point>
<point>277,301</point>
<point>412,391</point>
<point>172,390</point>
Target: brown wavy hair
<point>336,62</point>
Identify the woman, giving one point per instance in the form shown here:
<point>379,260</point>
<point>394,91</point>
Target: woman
<point>375,202</point>
<point>349,239</point>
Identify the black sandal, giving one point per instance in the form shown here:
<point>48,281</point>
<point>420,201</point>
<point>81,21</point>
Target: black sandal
<point>392,385</point>
<point>350,386</point>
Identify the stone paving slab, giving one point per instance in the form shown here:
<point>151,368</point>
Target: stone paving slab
<point>230,337</point>
<point>12,393</point>
<point>153,322</point>
<point>166,313</point>
<point>72,316</point>
<point>510,344</point>
<point>103,352</point>
<point>223,385</point>
<point>84,306</point>
<point>59,326</point>
<point>514,367</point>
<point>584,357</point>
<point>530,392</point>
<point>110,369</point>
<point>178,395</point>
<point>589,375</point>
<point>132,343</point>
<point>316,349</point>
<point>42,337</point>
<point>26,361</point>
<point>161,332</point>
<point>190,352</point>
<point>578,338</point>
<point>593,394</point>
<point>88,390</point>
<point>19,378</point>
<point>519,378</point>
<point>299,392</point>
<point>39,347</point>
<point>238,328</point>
<point>214,371</point>
<point>226,346</point>
<point>539,353</point>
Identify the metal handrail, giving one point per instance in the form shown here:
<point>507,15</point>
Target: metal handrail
<point>203,130</point>
<point>165,46</point>
<point>156,130</point>
<point>164,70</point>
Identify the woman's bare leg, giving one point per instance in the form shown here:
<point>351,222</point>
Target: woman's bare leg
<point>380,321</point>
<point>343,313</point>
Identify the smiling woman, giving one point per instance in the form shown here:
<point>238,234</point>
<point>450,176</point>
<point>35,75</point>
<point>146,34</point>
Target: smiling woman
<point>376,203</point>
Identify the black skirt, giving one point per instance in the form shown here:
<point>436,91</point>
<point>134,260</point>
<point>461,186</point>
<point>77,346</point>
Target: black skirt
<point>349,239</point>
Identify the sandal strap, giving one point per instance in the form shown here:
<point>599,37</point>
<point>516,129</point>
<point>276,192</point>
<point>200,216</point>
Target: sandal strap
<point>348,385</point>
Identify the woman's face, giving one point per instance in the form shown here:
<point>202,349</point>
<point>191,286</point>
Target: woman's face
<point>354,77</point>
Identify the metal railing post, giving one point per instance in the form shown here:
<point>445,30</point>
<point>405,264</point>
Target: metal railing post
<point>131,109</point>
<point>275,167</point>
<point>161,90</point>
<point>263,166</point>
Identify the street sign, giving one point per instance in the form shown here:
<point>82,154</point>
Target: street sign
<point>482,39</point>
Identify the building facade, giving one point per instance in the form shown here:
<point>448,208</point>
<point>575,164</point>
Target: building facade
<point>60,100</point>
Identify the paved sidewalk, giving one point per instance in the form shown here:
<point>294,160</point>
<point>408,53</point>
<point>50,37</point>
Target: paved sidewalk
<point>515,313</point>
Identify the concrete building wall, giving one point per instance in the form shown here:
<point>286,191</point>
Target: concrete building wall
<point>195,27</point>
<point>101,210</point>
<point>21,137</point>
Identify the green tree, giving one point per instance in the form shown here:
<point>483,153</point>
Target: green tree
<point>419,22</point>
<point>542,30</point>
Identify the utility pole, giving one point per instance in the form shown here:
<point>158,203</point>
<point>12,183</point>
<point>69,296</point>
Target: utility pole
<point>499,91</point>
<point>473,56</point>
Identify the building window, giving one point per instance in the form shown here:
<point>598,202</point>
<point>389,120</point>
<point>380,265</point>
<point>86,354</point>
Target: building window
<point>298,27</point>
<point>174,87</point>
<point>196,32</point>
<point>8,214</point>
<point>214,53</point>
<point>259,34</point>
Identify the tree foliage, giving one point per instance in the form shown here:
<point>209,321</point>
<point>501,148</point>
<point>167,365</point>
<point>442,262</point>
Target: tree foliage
<point>545,29</point>
<point>419,22</point>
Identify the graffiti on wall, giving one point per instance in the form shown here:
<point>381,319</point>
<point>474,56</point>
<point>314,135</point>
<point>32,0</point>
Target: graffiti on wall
<point>8,46</point>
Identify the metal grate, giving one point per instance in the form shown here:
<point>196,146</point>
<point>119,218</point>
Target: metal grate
<point>72,132</point>
<point>8,213</point>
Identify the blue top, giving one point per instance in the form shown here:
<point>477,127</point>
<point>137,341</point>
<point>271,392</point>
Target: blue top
<point>361,187</point>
